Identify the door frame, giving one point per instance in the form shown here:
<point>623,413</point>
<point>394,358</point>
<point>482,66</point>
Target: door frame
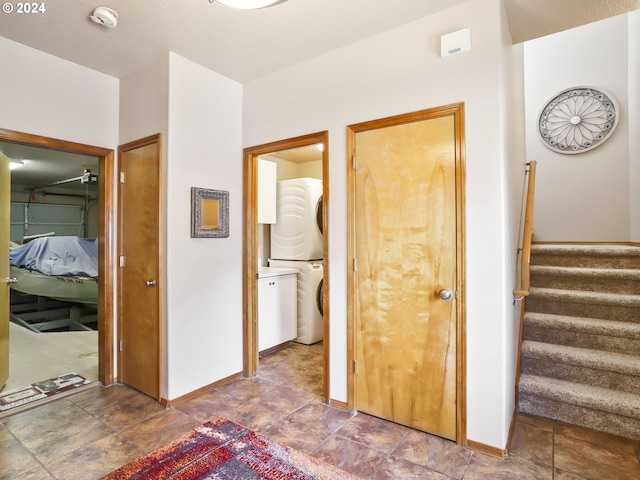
<point>105,236</point>
<point>457,110</point>
<point>250,247</point>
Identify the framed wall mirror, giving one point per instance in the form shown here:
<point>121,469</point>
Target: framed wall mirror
<point>209,213</point>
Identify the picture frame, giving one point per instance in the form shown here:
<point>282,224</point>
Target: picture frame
<point>209,213</point>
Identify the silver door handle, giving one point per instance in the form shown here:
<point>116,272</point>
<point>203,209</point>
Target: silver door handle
<point>150,283</point>
<point>445,294</point>
<point>11,280</point>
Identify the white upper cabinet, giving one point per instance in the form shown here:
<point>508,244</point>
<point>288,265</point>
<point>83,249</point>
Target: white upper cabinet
<point>266,191</point>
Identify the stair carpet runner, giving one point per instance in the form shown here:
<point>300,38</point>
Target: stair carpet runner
<point>580,360</point>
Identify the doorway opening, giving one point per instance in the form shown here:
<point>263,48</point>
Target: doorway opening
<point>303,161</point>
<point>103,159</point>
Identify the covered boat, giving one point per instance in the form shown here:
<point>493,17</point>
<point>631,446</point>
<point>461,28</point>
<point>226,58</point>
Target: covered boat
<point>62,268</point>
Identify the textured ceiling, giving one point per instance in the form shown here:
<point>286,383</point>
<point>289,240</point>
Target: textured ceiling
<point>529,19</point>
<point>244,44</point>
<point>241,44</point>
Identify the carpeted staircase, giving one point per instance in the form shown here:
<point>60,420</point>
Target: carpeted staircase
<point>580,358</point>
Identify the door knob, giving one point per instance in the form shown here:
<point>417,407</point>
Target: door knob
<point>151,283</point>
<point>445,294</point>
<point>11,280</point>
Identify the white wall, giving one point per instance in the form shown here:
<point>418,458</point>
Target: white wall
<point>586,196</point>
<point>634,124</point>
<point>310,169</point>
<point>287,169</point>
<point>514,160</point>
<point>144,102</point>
<point>47,96</point>
<point>144,111</point>
<point>204,275</point>
<point>393,73</point>
<point>199,114</point>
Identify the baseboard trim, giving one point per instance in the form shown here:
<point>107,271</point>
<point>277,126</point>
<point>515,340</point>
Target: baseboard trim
<point>487,449</point>
<point>170,403</point>
<point>338,404</point>
<point>274,349</point>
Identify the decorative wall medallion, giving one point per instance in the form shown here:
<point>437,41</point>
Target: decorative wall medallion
<point>577,120</point>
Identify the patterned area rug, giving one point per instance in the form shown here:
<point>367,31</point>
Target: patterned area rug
<point>40,390</point>
<point>223,450</point>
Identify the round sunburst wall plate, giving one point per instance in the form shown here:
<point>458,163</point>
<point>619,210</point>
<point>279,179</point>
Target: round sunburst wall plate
<point>577,120</point>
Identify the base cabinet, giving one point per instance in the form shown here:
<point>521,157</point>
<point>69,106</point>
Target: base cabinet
<point>277,310</point>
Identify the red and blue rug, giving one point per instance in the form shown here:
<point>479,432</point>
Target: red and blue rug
<point>223,450</point>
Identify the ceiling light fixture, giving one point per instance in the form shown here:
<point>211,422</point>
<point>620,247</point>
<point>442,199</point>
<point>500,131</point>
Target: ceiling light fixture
<point>13,164</point>
<point>248,4</point>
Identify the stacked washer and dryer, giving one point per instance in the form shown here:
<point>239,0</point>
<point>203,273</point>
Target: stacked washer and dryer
<point>296,242</point>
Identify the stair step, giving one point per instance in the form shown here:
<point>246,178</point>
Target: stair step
<point>592,333</point>
<point>584,304</point>
<point>605,399</point>
<point>580,359</point>
<point>608,280</point>
<point>601,256</point>
<point>582,365</point>
<point>598,408</point>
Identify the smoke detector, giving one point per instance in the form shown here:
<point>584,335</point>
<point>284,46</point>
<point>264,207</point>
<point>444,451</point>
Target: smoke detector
<point>105,16</point>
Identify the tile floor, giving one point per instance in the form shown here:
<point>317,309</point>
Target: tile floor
<point>91,433</point>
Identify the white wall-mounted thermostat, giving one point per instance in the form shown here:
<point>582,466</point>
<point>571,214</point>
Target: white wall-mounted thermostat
<point>455,42</point>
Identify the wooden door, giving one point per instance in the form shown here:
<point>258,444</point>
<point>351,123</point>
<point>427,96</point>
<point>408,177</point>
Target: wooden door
<point>139,279</point>
<point>5,201</point>
<point>405,273</point>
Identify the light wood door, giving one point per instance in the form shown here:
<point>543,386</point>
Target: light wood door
<point>139,278</point>
<point>405,279</point>
<point>5,200</point>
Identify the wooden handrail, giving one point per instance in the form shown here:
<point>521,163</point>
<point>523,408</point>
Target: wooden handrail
<point>525,269</point>
<point>525,265</point>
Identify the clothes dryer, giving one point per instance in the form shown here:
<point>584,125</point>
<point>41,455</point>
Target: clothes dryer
<point>297,233</point>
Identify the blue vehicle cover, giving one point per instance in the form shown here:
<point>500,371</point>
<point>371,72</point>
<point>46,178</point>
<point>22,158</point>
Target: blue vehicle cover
<point>58,256</point>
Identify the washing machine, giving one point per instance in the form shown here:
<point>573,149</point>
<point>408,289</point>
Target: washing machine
<point>309,297</point>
